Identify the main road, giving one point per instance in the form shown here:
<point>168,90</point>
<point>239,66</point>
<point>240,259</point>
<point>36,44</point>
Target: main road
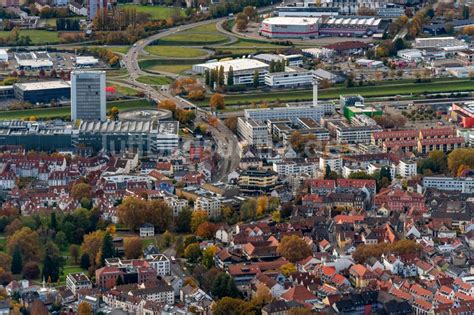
<point>228,150</point>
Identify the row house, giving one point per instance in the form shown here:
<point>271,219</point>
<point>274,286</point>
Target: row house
<point>62,178</point>
<point>399,200</point>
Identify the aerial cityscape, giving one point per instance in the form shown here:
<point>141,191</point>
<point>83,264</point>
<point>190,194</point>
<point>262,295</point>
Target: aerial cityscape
<point>235,157</point>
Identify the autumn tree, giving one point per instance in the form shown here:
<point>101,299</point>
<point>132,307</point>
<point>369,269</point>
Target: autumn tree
<point>133,247</point>
<point>38,308</point>
<point>198,217</point>
<point>168,104</point>
<point>217,102</point>
<point>262,205</point>
<point>92,245</point>
<point>206,230</point>
<point>192,252</point>
<point>262,296</point>
<point>84,308</point>
<point>31,270</point>
<point>231,123</point>
<point>27,241</point>
<point>5,261</point>
<point>288,269</point>
<point>208,256</point>
<point>229,305</point>
<point>294,248</point>
<point>133,212</point>
<point>81,190</point>
<point>460,157</point>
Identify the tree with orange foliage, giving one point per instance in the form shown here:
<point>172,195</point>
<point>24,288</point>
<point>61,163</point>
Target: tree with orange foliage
<point>217,101</point>
<point>206,230</point>
<point>262,205</point>
<point>199,216</point>
<point>213,121</point>
<point>168,104</point>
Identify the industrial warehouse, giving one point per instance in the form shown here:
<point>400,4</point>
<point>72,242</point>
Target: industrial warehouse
<point>306,27</point>
<point>109,136</point>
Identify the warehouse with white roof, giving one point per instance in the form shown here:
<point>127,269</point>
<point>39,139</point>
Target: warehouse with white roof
<point>289,27</point>
<point>244,69</point>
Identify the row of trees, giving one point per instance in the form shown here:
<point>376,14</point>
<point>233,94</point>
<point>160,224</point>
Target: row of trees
<point>185,117</point>
<point>134,212</point>
<point>454,163</point>
<point>68,25</point>
<point>402,247</point>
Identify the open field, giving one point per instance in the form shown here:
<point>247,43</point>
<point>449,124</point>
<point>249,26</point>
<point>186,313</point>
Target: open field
<point>192,39</point>
<point>206,34</point>
<point>366,91</point>
<point>38,37</point>
<point>156,12</point>
<point>169,65</point>
<point>119,49</point>
<point>174,51</point>
<point>154,80</point>
<point>124,90</point>
<point>49,113</point>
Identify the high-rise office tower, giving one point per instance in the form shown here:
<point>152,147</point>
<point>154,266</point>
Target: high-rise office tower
<point>88,101</point>
<point>93,6</point>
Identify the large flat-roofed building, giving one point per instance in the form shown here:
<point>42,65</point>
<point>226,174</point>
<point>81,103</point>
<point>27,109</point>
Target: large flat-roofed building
<point>88,99</point>
<point>290,27</point>
<point>351,26</point>
<point>143,137</point>
<point>289,112</point>
<point>36,136</point>
<point>463,114</point>
<point>167,138</point>
<point>289,79</point>
<point>461,184</point>
<point>445,43</point>
<point>243,69</point>
<point>42,92</point>
<point>255,180</point>
<point>39,60</point>
<point>253,131</point>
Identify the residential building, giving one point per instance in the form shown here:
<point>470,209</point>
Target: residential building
<point>462,184</point>
<point>212,205</point>
<point>88,102</point>
<point>147,230</point>
<point>77,281</point>
<point>254,180</point>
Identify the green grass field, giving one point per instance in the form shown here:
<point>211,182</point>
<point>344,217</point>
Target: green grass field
<point>154,80</point>
<point>119,49</point>
<point>168,65</point>
<point>192,39</point>
<point>206,34</point>
<point>156,12</point>
<point>175,51</point>
<point>124,90</point>
<point>366,91</point>
<point>49,113</point>
<point>254,43</point>
<point>38,37</point>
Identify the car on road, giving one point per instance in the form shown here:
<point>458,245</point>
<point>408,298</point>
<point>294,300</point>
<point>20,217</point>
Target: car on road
<point>173,259</point>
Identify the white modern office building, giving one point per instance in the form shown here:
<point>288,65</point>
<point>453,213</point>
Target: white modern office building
<point>461,184</point>
<point>167,138</point>
<point>289,79</point>
<point>243,69</point>
<point>254,132</point>
<point>292,112</point>
<point>287,168</point>
<point>88,96</point>
<point>290,27</point>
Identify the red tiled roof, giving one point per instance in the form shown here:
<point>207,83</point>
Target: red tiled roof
<point>298,293</point>
<point>388,134</point>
